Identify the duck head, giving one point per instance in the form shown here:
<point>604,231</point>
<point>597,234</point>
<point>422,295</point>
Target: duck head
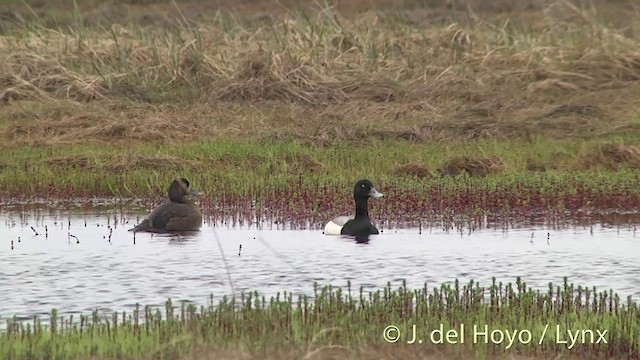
<point>364,190</point>
<point>179,189</point>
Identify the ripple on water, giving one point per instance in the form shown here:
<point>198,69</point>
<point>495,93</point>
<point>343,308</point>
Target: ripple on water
<point>43,273</point>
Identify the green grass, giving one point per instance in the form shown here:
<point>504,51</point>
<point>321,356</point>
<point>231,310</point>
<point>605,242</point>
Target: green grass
<point>143,170</point>
<point>345,317</point>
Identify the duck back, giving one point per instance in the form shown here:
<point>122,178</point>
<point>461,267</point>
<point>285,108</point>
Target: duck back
<point>172,216</point>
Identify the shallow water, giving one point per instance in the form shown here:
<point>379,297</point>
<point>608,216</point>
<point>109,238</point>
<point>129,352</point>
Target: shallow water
<point>76,267</point>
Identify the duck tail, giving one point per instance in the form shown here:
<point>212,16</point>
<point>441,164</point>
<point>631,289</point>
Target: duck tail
<point>143,226</point>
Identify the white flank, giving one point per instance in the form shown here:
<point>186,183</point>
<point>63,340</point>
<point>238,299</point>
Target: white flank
<point>334,226</point>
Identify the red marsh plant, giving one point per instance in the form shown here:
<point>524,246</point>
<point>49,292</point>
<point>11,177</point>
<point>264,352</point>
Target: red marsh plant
<point>443,201</point>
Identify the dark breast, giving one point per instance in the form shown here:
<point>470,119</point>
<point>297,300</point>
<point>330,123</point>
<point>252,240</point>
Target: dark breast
<point>357,227</point>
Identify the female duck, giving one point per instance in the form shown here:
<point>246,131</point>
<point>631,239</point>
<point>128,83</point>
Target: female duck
<point>179,214</point>
<point>360,224</point>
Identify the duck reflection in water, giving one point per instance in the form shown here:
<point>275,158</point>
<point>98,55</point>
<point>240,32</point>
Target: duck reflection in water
<point>362,238</point>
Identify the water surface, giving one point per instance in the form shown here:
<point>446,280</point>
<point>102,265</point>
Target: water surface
<point>88,260</point>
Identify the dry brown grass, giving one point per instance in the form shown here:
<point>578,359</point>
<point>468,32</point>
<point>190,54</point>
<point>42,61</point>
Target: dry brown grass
<point>283,78</point>
<point>472,166</point>
<point>540,166</point>
<point>415,169</point>
<point>88,125</point>
<point>612,157</point>
<point>122,163</point>
<point>77,161</point>
<point>161,162</point>
<point>32,76</point>
<point>504,70</point>
<point>301,163</point>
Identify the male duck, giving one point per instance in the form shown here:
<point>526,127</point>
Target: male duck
<point>179,214</point>
<point>359,224</point>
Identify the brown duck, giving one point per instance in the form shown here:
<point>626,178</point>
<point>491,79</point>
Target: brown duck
<point>178,214</point>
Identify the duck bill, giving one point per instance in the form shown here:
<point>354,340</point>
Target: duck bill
<point>375,193</point>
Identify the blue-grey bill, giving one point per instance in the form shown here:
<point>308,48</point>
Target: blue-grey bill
<point>375,194</point>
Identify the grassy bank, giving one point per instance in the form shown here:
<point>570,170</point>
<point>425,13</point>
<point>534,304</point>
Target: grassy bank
<point>347,322</point>
<point>295,183</point>
<point>115,99</point>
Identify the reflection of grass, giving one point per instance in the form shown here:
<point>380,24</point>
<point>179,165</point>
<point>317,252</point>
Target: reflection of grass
<point>343,319</point>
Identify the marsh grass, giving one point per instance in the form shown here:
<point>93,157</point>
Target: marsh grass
<point>341,317</point>
<point>295,183</point>
<point>284,194</point>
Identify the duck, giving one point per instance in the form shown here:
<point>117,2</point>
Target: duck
<point>360,224</point>
<point>178,214</point>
